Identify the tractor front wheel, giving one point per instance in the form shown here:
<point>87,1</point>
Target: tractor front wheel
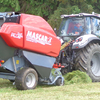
<point>26,78</point>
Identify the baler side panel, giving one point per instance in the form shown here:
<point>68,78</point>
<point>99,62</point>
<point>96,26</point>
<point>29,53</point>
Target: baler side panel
<point>43,64</point>
<point>36,21</point>
<point>12,34</point>
<point>9,64</point>
<point>38,40</point>
<point>39,36</point>
<point>33,33</point>
<point>5,51</point>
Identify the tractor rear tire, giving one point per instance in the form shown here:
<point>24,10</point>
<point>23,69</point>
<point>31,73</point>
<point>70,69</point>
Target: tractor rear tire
<point>88,60</point>
<point>26,79</point>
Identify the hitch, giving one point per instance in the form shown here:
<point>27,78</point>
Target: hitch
<point>1,61</point>
<point>58,65</point>
<point>56,77</point>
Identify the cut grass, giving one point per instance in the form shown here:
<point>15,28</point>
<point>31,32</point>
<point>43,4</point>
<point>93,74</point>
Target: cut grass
<point>81,91</point>
<point>78,87</point>
<point>77,77</point>
<point>67,92</point>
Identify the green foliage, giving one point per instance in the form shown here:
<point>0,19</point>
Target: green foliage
<point>55,19</point>
<point>42,8</point>
<point>51,10</point>
<point>75,9</point>
<point>77,77</point>
<point>9,5</point>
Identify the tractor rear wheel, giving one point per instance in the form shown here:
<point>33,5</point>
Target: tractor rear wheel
<point>26,78</point>
<point>88,60</point>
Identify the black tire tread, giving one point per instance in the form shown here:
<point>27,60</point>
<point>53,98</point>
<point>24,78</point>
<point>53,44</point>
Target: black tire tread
<point>58,82</point>
<point>82,57</point>
<point>19,79</point>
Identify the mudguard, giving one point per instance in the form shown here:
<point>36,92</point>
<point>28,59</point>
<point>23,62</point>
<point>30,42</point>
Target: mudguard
<point>42,63</point>
<point>83,40</point>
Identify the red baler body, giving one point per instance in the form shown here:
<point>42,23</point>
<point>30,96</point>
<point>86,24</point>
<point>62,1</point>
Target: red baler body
<point>32,33</point>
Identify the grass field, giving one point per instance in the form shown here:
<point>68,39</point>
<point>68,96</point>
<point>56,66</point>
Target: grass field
<point>88,91</point>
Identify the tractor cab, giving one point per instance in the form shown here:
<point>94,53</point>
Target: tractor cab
<point>72,26</point>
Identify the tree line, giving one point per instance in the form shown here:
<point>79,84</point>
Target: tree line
<point>50,10</point>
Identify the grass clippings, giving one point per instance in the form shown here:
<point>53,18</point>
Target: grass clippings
<point>77,77</point>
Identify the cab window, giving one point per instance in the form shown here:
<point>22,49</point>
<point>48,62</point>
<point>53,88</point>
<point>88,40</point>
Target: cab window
<point>96,26</point>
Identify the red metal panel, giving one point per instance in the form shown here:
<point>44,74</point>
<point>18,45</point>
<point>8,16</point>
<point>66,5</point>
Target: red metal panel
<point>39,36</point>
<point>35,21</point>
<point>12,34</point>
<point>33,33</point>
<point>39,41</point>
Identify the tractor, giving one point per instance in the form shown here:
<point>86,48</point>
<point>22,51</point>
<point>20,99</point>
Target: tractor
<point>80,38</point>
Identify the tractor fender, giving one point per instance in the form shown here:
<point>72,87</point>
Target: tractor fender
<point>83,40</point>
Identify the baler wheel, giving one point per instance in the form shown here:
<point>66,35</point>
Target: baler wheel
<point>26,78</point>
<point>59,82</point>
<point>11,80</point>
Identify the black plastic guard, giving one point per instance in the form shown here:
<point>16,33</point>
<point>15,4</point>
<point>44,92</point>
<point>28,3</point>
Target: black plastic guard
<point>6,52</point>
<point>42,63</point>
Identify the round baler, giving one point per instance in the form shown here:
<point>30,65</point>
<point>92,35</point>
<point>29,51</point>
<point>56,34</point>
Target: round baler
<point>28,51</point>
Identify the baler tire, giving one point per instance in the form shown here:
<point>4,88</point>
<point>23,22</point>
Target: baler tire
<point>88,60</point>
<point>64,71</point>
<point>11,80</point>
<point>59,82</point>
<point>26,78</point>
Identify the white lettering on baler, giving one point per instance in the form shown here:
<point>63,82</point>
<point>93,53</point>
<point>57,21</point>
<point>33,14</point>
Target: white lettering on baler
<point>38,38</point>
<point>17,35</point>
